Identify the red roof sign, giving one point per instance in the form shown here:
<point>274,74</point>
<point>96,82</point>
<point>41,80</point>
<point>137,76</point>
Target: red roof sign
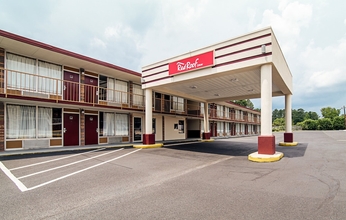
<point>192,63</point>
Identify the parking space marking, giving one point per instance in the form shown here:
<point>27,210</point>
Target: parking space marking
<point>85,169</point>
<point>60,158</point>
<point>23,188</point>
<point>18,183</point>
<point>69,164</point>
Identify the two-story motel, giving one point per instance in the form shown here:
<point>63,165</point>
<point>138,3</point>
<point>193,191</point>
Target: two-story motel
<point>51,97</point>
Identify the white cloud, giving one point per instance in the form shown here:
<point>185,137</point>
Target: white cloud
<point>325,67</point>
<point>345,21</point>
<point>287,25</point>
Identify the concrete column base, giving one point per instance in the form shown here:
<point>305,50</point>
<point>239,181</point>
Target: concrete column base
<point>206,136</point>
<point>288,140</point>
<point>288,137</point>
<point>265,158</point>
<point>148,139</point>
<point>266,144</point>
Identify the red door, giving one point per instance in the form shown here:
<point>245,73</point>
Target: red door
<point>90,89</point>
<point>71,86</point>
<point>71,129</point>
<point>91,131</point>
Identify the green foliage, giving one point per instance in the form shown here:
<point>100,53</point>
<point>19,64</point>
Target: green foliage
<point>330,112</point>
<point>298,115</point>
<point>244,102</point>
<point>311,115</point>
<point>339,123</point>
<point>278,114</point>
<point>325,124</point>
<point>279,122</point>
<point>309,124</point>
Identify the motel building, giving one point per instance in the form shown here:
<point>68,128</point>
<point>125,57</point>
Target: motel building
<point>51,97</point>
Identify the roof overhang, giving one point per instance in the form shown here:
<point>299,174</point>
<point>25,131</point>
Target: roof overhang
<point>31,48</point>
<point>234,75</point>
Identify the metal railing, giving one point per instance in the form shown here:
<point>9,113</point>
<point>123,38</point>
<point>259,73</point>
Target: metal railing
<point>18,83</point>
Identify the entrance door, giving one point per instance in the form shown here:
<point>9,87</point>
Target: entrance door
<point>90,89</point>
<point>91,129</point>
<point>71,129</point>
<point>137,129</point>
<point>71,86</point>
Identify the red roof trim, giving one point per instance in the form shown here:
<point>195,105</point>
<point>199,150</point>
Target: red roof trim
<point>64,52</point>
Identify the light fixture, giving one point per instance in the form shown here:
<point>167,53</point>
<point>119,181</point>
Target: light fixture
<point>263,48</point>
<point>82,111</point>
<point>193,87</point>
<point>234,80</point>
<point>82,71</point>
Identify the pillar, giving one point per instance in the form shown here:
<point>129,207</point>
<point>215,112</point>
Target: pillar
<point>206,133</point>
<point>266,141</point>
<point>288,135</point>
<point>148,136</point>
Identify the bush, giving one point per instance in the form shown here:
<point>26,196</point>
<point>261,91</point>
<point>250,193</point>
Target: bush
<point>310,124</point>
<point>325,124</point>
<point>339,123</point>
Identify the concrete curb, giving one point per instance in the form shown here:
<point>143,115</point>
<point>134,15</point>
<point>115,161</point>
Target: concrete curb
<point>146,146</point>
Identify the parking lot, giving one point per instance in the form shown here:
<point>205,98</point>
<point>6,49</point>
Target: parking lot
<point>180,181</point>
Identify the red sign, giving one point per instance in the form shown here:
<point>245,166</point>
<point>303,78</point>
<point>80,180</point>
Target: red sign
<point>192,63</point>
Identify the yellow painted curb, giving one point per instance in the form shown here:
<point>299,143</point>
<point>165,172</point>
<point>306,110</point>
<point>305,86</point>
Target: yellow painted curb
<point>288,144</point>
<point>207,140</point>
<point>144,146</point>
<point>265,158</point>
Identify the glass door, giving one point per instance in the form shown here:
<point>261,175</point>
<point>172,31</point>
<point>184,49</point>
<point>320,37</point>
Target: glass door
<point>137,129</point>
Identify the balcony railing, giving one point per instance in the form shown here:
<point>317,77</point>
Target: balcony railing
<point>18,83</point>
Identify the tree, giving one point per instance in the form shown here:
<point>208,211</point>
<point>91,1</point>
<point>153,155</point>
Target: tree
<point>278,114</point>
<point>298,115</point>
<point>244,102</point>
<point>325,124</point>
<point>330,112</point>
<point>338,123</point>
<point>311,115</point>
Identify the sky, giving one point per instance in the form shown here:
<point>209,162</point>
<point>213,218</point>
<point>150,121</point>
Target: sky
<point>135,33</point>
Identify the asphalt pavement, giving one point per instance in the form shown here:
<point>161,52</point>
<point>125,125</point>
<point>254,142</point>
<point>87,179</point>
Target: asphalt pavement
<point>212,180</point>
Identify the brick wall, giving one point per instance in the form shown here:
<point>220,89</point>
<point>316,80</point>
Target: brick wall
<point>2,126</point>
<point>82,128</point>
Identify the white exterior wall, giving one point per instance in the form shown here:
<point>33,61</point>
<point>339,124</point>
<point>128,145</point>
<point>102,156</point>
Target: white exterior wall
<point>170,132</point>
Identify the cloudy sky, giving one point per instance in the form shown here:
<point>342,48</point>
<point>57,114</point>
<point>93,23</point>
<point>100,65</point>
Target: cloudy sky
<point>133,33</point>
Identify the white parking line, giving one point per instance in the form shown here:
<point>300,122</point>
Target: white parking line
<point>60,158</point>
<point>69,164</point>
<point>18,183</point>
<point>79,171</point>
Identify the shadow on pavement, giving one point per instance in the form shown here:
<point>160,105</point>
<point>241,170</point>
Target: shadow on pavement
<point>233,148</point>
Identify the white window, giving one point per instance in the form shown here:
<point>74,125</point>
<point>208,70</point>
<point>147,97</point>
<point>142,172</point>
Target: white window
<point>20,122</point>
<point>138,97</point>
<point>44,122</point>
<point>122,124</point>
<point>227,127</point>
<point>177,104</point>
<point>219,110</point>
<point>220,128</point>
<point>226,112</point>
<point>117,91</point>
<point>20,72</point>
<point>108,124</point>
<point>50,82</point>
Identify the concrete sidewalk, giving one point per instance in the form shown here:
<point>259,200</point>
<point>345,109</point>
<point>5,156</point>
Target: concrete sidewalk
<point>87,147</point>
